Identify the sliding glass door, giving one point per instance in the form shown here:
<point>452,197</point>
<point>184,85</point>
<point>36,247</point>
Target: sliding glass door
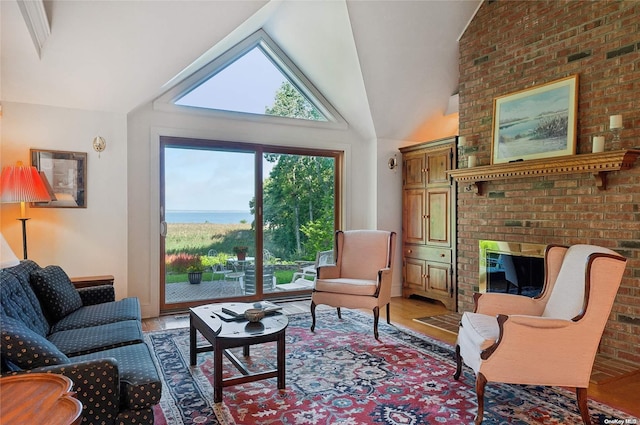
<point>242,221</point>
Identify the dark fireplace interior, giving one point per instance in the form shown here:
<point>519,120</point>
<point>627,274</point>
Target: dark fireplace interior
<point>513,268</point>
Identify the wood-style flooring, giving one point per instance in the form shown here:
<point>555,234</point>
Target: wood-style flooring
<point>622,392</point>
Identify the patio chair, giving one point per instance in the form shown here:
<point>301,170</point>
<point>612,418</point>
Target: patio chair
<point>268,279</point>
<point>216,269</point>
<point>308,273</point>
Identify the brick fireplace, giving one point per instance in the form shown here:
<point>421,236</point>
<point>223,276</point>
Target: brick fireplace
<point>510,46</point>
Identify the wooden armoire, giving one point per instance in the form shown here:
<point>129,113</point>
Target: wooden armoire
<point>428,221</point>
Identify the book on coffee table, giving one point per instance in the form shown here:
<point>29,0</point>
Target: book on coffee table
<point>237,309</point>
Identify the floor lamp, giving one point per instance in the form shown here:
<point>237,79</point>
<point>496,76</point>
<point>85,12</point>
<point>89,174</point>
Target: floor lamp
<point>22,184</point>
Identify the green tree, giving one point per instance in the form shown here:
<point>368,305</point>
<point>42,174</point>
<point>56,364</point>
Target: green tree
<point>298,195</point>
<point>298,203</point>
<point>290,103</point>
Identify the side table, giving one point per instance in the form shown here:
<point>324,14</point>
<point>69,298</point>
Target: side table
<point>38,398</point>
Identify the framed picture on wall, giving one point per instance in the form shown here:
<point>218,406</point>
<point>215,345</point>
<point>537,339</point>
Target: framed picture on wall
<point>538,122</point>
<point>65,174</point>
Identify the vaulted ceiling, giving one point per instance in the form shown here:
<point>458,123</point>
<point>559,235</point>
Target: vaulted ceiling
<point>387,66</point>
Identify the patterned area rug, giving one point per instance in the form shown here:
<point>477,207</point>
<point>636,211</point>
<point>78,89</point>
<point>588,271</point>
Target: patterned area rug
<point>341,375</point>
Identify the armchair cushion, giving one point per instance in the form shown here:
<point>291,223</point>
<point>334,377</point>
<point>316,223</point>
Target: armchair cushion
<point>74,342</point>
<point>26,349</point>
<point>55,291</point>
<point>347,286</point>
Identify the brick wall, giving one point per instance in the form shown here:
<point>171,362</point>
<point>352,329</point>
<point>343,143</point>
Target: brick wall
<point>510,46</point>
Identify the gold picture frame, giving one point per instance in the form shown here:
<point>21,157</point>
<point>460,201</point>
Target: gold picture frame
<point>534,123</point>
<point>65,175</point>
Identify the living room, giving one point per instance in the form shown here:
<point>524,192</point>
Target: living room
<point>537,43</point>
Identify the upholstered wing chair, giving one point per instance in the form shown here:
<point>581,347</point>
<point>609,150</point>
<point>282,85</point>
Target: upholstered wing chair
<point>361,276</point>
<point>549,340</point>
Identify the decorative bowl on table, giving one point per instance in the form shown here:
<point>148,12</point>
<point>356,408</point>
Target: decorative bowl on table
<point>254,314</point>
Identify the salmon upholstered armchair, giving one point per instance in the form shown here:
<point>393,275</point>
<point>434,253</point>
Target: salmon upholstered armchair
<point>361,276</point>
<point>549,340</point>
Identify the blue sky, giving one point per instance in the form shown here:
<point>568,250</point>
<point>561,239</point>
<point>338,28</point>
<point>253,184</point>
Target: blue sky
<point>247,85</point>
<point>202,180</point>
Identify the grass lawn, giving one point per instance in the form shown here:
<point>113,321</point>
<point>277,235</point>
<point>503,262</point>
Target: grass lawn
<point>282,276</point>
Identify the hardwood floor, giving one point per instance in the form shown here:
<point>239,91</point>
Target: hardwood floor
<point>622,393</point>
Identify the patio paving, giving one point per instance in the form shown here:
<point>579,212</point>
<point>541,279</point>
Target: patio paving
<point>206,290</point>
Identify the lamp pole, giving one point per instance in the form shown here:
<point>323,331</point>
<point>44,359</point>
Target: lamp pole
<point>24,236</point>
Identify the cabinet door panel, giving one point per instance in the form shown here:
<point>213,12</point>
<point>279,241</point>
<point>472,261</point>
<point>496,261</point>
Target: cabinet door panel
<point>414,170</point>
<point>438,280</point>
<point>437,164</point>
<point>438,213</point>
<point>414,216</point>
<point>414,272</point>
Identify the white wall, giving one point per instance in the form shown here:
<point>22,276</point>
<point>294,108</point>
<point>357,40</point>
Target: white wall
<point>83,241</point>
<point>146,125</point>
<point>389,201</point>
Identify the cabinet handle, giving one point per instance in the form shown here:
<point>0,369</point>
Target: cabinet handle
<point>442,255</point>
<point>409,251</point>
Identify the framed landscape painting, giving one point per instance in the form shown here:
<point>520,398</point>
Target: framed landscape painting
<point>539,122</point>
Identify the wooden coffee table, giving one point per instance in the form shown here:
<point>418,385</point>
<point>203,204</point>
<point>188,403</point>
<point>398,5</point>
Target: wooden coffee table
<point>224,335</point>
<point>38,398</point>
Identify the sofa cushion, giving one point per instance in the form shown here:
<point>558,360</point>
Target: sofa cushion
<point>18,299</point>
<point>74,342</point>
<point>140,385</point>
<point>26,349</point>
<point>100,314</point>
<point>55,291</point>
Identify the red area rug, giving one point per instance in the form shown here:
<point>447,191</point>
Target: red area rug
<point>341,375</point>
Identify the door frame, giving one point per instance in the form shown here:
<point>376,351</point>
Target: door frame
<point>259,150</point>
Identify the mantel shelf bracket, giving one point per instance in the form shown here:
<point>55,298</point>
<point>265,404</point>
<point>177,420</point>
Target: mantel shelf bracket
<point>599,164</point>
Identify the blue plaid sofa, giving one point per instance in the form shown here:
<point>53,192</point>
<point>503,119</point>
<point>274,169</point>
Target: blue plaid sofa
<point>50,326</point>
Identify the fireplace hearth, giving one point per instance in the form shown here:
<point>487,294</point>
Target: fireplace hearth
<point>511,267</point>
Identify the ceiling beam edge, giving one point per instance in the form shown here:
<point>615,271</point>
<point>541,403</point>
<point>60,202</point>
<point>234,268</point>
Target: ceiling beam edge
<point>35,16</point>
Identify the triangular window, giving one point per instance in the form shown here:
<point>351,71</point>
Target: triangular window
<point>254,77</point>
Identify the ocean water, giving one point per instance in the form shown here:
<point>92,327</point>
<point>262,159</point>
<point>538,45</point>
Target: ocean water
<point>217,217</point>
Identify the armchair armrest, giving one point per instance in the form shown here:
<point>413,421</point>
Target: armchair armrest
<point>492,304</point>
<point>328,272</point>
<point>96,384</point>
<point>97,294</point>
<point>523,325</point>
<point>540,351</point>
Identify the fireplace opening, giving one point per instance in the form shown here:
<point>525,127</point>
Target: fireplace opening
<point>510,267</point>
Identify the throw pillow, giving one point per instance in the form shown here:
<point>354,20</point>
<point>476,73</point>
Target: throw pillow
<point>26,349</point>
<point>55,291</point>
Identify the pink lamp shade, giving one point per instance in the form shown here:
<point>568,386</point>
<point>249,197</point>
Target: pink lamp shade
<point>22,184</point>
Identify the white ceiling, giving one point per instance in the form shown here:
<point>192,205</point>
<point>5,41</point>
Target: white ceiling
<point>386,66</point>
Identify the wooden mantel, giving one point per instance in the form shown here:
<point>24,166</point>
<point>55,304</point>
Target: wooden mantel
<point>597,163</point>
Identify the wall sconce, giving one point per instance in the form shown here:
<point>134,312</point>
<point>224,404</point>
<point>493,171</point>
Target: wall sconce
<point>99,144</point>
<point>393,162</point>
